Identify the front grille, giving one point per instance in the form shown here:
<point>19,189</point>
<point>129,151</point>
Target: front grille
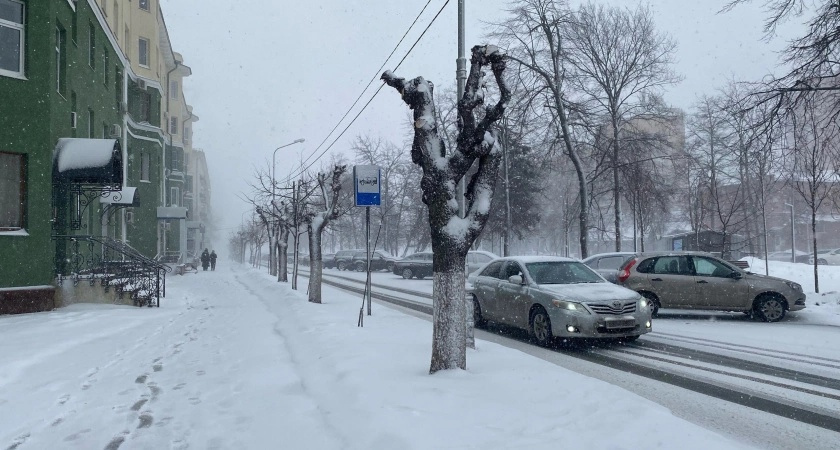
<point>608,308</point>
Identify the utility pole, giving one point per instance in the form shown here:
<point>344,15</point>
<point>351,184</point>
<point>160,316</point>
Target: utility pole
<point>461,78</point>
<point>508,221</point>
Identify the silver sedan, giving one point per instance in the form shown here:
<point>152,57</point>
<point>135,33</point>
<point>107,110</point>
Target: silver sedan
<point>557,297</point>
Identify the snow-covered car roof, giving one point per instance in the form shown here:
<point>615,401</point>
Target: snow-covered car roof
<point>538,258</point>
<point>485,252</point>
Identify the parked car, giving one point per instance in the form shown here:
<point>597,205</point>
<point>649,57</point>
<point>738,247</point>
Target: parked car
<point>479,258</point>
<point>557,297</point>
<point>328,260</point>
<point>344,259</point>
<point>378,261</point>
<point>688,280</point>
<point>828,257</point>
<point>418,265</point>
<point>784,255</point>
<point>607,264</point>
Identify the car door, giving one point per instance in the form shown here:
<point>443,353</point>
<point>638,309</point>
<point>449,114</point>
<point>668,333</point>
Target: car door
<point>485,286</point>
<point>672,280</point>
<point>608,266</point>
<point>511,297</point>
<point>716,288</point>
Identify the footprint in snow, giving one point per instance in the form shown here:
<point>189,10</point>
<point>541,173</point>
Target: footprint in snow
<point>157,367</point>
<point>146,420</point>
<point>117,441</point>
<point>141,379</point>
<point>139,404</point>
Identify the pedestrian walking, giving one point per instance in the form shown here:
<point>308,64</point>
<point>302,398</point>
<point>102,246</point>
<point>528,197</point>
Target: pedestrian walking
<point>213,260</point>
<point>205,259</point>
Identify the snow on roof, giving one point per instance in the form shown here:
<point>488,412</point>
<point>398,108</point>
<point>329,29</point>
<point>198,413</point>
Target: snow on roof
<point>74,153</point>
<point>538,258</point>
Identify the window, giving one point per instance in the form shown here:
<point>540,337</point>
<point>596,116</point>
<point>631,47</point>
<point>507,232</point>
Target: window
<point>492,270</point>
<point>706,267</point>
<point>92,47</point>
<point>60,59</point>
<point>13,187</point>
<point>174,196</point>
<point>145,107</point>
<point>144,167</point>
<point>173,125</point>
<point>144,5</point>
<point>126,43</point>
<point>612,262</point>
<point>173,90</point>
<point>105,8</point>
<point>186,138</point>
<point>118,87</point>
<point>671,265</point>
<point>105,66</point>
<point>11,38</point>
<point>143,52</point>
<point>90,123</point>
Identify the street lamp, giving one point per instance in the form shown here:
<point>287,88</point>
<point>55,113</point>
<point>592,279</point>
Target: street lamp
<point>296,141</point>
<point>792,235</point>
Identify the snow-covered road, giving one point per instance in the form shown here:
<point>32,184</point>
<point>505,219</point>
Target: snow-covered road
<point>233,359</point>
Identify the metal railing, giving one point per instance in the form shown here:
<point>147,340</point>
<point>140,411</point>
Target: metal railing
<point>114,265</point>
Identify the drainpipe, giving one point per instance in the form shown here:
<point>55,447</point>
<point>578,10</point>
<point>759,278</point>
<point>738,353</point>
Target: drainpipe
<point>124,231</point>
<point>168,133</point>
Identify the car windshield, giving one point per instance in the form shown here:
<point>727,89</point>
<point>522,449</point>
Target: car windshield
<point>562,272</point>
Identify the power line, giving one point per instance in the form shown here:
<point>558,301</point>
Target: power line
<point>375,76</point>
<point>303,170</point>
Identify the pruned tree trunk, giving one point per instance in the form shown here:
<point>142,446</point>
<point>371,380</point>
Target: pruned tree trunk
<point>315,224</point>
<point>452,235</point>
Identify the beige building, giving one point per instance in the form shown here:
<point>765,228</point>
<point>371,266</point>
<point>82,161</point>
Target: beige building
<point>140,30</point>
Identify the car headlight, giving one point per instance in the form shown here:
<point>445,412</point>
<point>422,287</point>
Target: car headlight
<point>643,303</point>
<point>794,286</point>
<point>571,306</point>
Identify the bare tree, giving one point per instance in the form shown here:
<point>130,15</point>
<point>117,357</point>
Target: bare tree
<point>452,235</point>
<point>317,216</point>
<point>812,169</point>
<point>618,55</point>
<point>533,36</point>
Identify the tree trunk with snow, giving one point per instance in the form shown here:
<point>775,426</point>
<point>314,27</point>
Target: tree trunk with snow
<point>315,224</point>
<point>452,235</point>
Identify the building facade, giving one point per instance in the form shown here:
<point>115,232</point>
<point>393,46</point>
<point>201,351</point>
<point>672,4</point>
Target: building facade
<point>81,80</point>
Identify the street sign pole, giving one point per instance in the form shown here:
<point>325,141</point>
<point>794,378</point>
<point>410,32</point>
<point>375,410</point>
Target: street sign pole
<point>367,184</point>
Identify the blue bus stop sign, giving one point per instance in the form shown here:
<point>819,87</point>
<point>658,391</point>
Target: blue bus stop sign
<point>367,181</point>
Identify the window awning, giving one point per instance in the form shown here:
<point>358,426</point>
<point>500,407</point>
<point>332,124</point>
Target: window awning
<point>126,196</point>
<point>88,161</point>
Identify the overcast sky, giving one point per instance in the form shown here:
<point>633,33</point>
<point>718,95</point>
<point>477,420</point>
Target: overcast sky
<point>266,73</point>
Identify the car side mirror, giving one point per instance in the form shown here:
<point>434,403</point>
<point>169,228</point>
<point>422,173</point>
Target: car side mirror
<point>516,279</point>
<point>735,275</point>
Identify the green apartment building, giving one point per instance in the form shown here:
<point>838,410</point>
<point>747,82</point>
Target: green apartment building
<point>84,146</point>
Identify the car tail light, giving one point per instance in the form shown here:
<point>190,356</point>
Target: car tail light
<point>624,274</point>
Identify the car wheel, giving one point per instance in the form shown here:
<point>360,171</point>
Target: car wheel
<point>652,301</point>
<point>407,273</point>
<point>770,308</point>
<point>389,267</point>
<point>478,319</point>
<point>541,327</point>
<point>360,267</point>
<point>342,265</point>
<point>822,262</point>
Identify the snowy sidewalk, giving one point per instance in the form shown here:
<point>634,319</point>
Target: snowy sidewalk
<point>234,360</point>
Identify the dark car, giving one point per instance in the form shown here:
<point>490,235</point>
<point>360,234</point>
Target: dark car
<point>418,265</point>
<point>344,259</point>
<point>378,261</point>
<point>607,264</point>
<point>328,260</point>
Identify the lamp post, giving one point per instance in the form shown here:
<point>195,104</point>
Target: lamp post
<point>273,166</point>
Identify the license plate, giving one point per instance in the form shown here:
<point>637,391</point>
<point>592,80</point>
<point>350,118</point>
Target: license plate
<point>619,323</point>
